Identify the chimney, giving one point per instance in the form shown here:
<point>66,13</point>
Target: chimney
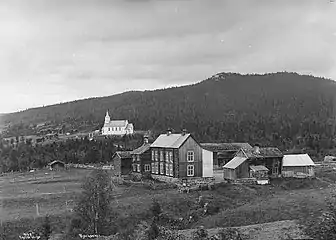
<point>184,132</point>
<point>145,139</point>
<point>256,149</point>
<point>169,131</point>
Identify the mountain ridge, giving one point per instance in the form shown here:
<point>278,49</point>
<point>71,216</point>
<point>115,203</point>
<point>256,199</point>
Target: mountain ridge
<point>223,107</point>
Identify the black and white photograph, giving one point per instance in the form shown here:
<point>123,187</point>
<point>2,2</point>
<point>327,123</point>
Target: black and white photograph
<point>167,119</point>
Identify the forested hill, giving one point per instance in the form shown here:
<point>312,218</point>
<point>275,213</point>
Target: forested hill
<point>276,108</point>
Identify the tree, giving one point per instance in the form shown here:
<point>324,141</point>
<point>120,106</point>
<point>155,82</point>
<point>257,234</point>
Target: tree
<point>93,209</point>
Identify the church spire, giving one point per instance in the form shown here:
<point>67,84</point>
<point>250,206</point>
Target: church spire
<point>107,117</point>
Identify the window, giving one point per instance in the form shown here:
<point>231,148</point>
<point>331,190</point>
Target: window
<point>190,156</point>
<point>147,167</point>
<point>156,155</point>
<point>138,167</point>
<point>167,169</point>
<point>138,158</point>
<point>171,157</point>
<point>190,170</point>
<point>156,168</point>
<point>153,168</point>
<point>152,155</point>
<point>134,167</point>
<point>134,158</point>
<point>167,156</point>
<point>161,156</point>
<point>161,168</point>
<point>109,129</point>
<point>171,170</point>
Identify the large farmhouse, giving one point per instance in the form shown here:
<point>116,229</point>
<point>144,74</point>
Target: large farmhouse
<point>180,156</point>
<point>116,127</point>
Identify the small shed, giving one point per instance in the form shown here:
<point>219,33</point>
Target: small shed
<point>297,165</point>
<point>260,173</point>
<point>56,165</point>
<point>122,162</point>
<point>236,168</point>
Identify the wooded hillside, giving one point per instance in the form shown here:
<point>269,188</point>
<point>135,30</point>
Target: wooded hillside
<point>283,109</point>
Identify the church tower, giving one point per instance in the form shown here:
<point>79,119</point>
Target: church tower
<point>107,118</point>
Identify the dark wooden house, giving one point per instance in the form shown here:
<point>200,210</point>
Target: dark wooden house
<point>224,152</point>
<point>122,162</point>
<point>141,158</point>
<point>244,163</point>
<point>56,165</point>
<point>180,156</point>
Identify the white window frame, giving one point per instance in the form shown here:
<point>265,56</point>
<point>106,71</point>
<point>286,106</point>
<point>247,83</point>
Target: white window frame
<point>153,156</point>
<point>171,171</point>
<point>156,155</point>
<point>153,167</point>
<point>167,156</point>
<point>134,167</point>
<point>138,158</point>
<point>170,156</point>
<point>190,156</point>
<point>167,169</point>
<point>147,167</point>
<point>161,168</point>
<point>138,167</point>
<point>161,156</point>
<point>190,168</point>
<point>156,168</point>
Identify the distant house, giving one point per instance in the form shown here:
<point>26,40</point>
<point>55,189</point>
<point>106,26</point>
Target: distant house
<point>122,162</point>
<point>116,127</point>
<point>224,152</point>
<point>141,158</point>
<point>243,163</point>
<point>56,165</point>
<point>180,156</point>
<point>297,165</point>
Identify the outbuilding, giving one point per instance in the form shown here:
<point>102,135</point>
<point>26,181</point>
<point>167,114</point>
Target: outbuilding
<point>297,165</point>
<point>56,165</point>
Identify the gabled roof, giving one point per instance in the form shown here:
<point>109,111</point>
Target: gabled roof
<point>123,154</point>
<point>235,162</point>
<point>56,161</point>
<point>292,160</point>
<point>172,140</point>
<point>217,147</point>
<point>258,168</point>
<point>263,153</point>
<point>116,123</point>
<point>141,149</point>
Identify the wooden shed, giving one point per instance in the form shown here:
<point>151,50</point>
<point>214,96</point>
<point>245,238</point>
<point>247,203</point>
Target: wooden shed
<point>297,165</point>
<point>56,165</point>
<point>237,168</point>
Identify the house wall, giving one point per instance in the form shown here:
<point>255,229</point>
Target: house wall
<point>126,166</point>
<point>207,163</point>
<point>164,150</point>
<point>242,171</point>
<point>269,163</point>
<point>294,171</point>
<point>145,158</point>
<point>229,173</point>
<point>190,145</point>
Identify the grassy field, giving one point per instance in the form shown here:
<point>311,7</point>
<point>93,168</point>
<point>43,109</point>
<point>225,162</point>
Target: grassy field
<point>230,205</point>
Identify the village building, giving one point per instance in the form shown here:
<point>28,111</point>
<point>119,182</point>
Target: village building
<point>56,165</point>
<point>253,164</point>
<point>141,158</point>
<point>116,127</point>
<point>122,163</point>
<point>297,165</point>
<point>180,156</point>
<point>224,152</point>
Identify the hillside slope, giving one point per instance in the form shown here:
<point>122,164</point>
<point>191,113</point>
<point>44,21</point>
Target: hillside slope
<point>269,108</point>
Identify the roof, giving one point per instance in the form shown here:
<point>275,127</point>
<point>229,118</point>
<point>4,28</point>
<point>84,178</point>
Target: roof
<point>235,162</point>
<point>124,154</point>
<point>259,168</point>
<point>141,149</point>
<point>263,153</point>
<point>116,123</point>
<point>172,140</point>
<point>297,160</point>
<point>56,161</point>
<point>225,146</point>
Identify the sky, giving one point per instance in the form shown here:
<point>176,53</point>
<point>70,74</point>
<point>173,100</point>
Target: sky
<point>54,51</point>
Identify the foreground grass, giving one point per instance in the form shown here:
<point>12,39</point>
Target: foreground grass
<point>235,205</point>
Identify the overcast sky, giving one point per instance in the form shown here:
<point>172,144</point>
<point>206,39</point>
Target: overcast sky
<point>54,51</point>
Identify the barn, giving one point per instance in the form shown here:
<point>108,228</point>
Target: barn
<point>237,168</point>
<point>56,165</point>
<point>297,165</point>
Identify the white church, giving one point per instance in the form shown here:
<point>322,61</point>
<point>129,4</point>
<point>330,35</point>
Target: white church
<point>116,127</point>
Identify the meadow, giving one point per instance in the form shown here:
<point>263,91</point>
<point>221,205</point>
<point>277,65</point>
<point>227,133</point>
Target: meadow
<point>229,205</point>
